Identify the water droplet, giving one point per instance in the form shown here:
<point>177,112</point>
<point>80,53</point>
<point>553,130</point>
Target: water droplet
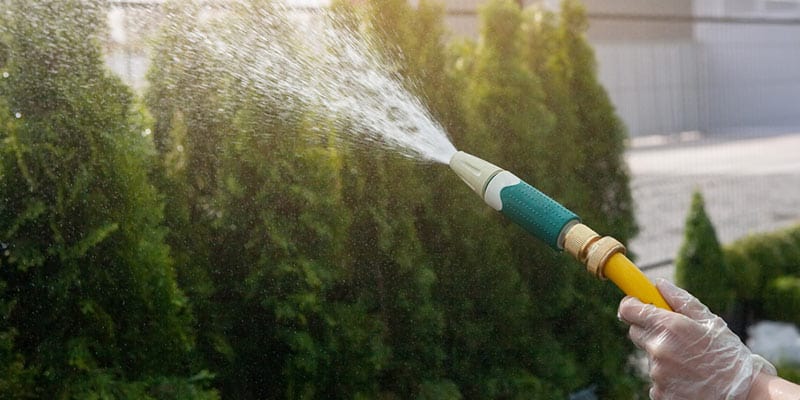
<point>324,64</point>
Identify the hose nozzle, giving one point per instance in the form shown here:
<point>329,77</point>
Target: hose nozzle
<point>531,209</point>
<point>475,172</point>
<point>549,221</point>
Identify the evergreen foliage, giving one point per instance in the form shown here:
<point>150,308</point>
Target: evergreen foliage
<point>751,279</point>
<point>90,302</point>
<point>252,247</point>
<point>789,372</point>
<point>603,172</point>
<point>554,47</point>
<point>782,299</point>
<point>700,266</point>
<point>545,55</point>
<point>506,100</point>
<point>761,271</point>
<point>297,327</point>
<point>392,269</point>
<point>186,98</point>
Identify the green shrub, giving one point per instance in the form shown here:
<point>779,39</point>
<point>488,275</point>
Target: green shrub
<point>301,270</point>
<point>790,372</point>
<point>439,390</point>
<point>756,261</point>
<point>700,267</point>
<point>782,299</point>
<point>745,274</point>
<point>90,304</point>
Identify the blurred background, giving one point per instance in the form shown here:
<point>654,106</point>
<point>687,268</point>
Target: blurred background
<point>687,77</point>
<point>709,91</point>
<point>680,66</point>
<point>195,230</point>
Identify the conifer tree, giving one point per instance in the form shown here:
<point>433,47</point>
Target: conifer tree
<point>548,56</point>
<point>288,314</point>
<point>539,153</point>
<point>92,305</point>
<point>187,97</point>
<point>602,135</point>
<point>506,101</point>
<point>506,96</point>
<point>17,376</point>
<point>700,266</point>
<point>484,324</point>
<point>291,318</point>
<point>385,193</point>
<point>414,38</point>
<point>508,105</point>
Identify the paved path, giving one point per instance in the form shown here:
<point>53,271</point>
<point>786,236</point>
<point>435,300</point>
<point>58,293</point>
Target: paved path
<point>751,184</point>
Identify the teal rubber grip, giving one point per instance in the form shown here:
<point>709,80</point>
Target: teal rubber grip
<point>535,212</point>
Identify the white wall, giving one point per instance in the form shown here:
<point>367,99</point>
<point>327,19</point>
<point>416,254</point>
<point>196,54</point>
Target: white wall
<point>753,75</point>
<point>664,76</point>
<point>657,87</point>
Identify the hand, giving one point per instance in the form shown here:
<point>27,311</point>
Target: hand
<point>693,354</point>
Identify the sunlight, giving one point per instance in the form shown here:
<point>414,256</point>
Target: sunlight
<point>308,3</point>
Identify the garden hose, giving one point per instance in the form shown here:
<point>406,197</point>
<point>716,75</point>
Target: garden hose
<point>554,224</point>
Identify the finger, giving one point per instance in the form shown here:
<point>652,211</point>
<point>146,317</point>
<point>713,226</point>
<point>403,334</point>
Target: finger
<point>656,393</point>
<point>682,301</point>
<point>637,334</point>
<point>629,309</point>
<point>658,343</point>
<point>625,309</point>
<point>634,312</point>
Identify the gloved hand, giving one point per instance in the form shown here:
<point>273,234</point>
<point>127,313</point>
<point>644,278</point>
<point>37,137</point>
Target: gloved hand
<point>693,354</point>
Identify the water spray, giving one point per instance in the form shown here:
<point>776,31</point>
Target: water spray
<point>546,219</point>
<point>330,67</point>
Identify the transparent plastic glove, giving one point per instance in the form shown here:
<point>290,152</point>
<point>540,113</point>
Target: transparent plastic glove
<point>693,354</point>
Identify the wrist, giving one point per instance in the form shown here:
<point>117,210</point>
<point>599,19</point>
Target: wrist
<point>770,387</point>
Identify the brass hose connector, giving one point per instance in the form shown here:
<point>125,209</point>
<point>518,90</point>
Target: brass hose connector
<point>590,249</point>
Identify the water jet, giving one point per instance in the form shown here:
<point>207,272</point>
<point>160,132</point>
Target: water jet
<point>331,67</point>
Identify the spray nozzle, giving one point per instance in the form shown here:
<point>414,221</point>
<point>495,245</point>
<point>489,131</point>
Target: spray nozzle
<point>475,172</point>
<point>538,214</point>
<point>551,222</point>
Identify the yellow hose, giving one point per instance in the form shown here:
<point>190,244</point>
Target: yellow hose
<point>620,270</point>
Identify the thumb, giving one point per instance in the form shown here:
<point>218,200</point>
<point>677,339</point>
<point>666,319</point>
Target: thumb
<point>683,302</point>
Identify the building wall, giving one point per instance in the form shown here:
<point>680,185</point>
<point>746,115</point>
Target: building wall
<point>682,65</point>
<point>642,20</point>
<point>649,63</point>
<point>748,8</point>
<point>669,66</point>
<point>739,70</point>
<point>657,87</point>
<point>753,74</point>
<point>647,59</point>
